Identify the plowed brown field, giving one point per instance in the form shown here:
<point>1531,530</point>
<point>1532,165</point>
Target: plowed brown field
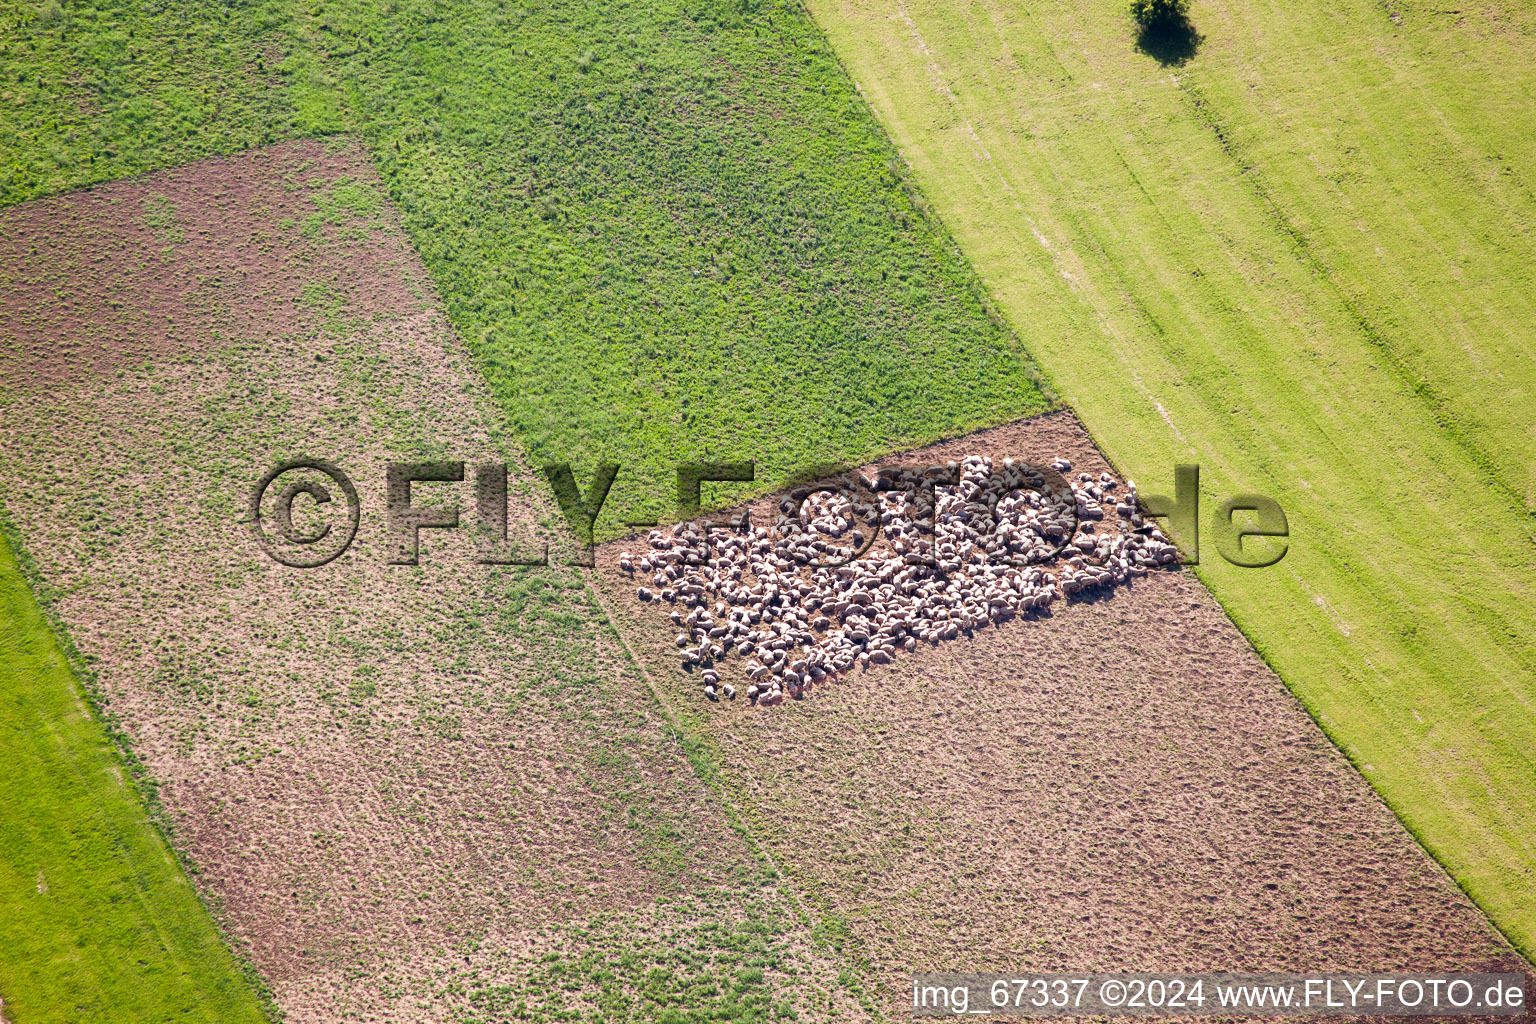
<point>1119,784</point>
<point>410,792</point>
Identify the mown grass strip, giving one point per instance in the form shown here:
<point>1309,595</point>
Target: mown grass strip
<point>100,922</point>
<point>1192,254</point>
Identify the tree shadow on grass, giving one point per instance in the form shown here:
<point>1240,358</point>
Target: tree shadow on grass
<point>1170,43</point>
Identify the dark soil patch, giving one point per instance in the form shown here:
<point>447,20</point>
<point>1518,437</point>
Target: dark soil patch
<point>107,277</point>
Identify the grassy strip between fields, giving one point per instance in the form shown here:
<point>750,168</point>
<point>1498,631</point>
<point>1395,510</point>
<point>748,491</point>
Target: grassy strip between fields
<point>1300,258</point>
<point>101,924</point>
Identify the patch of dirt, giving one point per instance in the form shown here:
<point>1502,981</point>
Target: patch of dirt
<point>104,278</point>
<point>1120,784</point>
<point>402,787</point>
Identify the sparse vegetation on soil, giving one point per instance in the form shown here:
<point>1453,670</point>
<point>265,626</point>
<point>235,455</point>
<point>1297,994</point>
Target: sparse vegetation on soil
<point>417,791</point>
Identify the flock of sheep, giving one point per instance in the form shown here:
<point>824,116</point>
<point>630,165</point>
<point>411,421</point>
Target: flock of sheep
<point>859,568</point>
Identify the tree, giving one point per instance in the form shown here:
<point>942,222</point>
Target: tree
<point>1159,12</point>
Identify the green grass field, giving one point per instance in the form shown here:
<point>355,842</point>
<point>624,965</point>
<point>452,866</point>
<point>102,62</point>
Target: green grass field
<point>100,921</point>
<point>674,231</point>
<point>669,232</point>
<point>108,90</point>
<point>1302,259</point>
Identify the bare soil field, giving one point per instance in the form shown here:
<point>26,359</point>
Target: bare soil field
<point>1119,782</point>
<point>429,792</point>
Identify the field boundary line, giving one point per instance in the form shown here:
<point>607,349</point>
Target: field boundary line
<point>719,786</point>
<point>1355,763</point>
<point>134,778</point>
